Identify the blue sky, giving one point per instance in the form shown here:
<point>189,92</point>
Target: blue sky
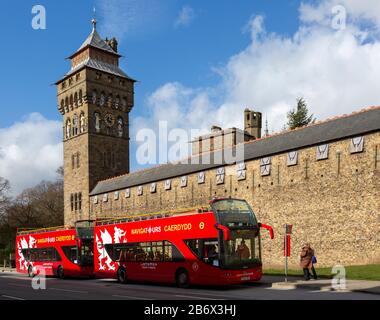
<point>198,63</point>
<point>155,52</point>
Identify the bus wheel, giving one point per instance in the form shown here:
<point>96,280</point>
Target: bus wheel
<point>121,275</point>
<point>60,273</point>
<point>182,278</point>
<point>30,272</point>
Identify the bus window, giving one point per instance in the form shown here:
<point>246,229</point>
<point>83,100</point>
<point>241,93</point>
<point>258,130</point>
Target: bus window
<point>149,254</point>
<point>55,255</point>
<point>211,251</point>
<point>122,255</point>
<point>140,253</point>
<point>42,254</point>
<point>195,246</point>
<point>171,252</point>
<point>144,251</point>
<point>205,249</point>
<point>157,251</point>
<point>167,252</point>
<point>234,213</point>
<point>71,253</point>
<point>26,254</point>
<point>33,255</point>
<point>177,255</point>
<point>86,253</point>
<point>45,256</point>
<point>243,249</point>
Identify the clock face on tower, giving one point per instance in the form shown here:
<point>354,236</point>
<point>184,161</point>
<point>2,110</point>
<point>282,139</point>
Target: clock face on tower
<point>110,120</point>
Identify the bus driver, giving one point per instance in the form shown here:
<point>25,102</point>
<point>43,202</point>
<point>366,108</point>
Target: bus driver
<point>243,251</point>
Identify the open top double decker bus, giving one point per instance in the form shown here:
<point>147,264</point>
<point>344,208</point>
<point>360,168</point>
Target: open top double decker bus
<point>60,251</point>
<point>219,245</point>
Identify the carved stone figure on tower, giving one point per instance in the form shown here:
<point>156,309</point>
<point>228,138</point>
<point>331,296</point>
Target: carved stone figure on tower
<point>82,123</point>
<point>120,127</point>
<point>68,129</point>
<point>97,122</point>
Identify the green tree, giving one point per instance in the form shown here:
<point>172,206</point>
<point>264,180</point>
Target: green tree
<point>299,117</point>
<point>40,206</point>
<point>4,231</point>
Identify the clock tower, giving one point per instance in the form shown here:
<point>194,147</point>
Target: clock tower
<point>94,98</point>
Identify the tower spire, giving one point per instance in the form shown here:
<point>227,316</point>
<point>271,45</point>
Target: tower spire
<point>93,21</point>
<point>266,127</point>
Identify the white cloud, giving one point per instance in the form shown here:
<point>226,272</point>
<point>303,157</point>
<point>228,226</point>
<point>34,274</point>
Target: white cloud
<point>30,151</point>
<point>357,11</point>
<point>336,71</point>
<point>185,17</point>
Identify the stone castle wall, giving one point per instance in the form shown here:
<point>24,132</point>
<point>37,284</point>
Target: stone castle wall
<point>333,203</point>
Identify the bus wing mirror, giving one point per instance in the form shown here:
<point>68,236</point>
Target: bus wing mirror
<point>225,230</point>
<point>269,228</point>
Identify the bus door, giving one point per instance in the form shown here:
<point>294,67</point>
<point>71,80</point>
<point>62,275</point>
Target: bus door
<point>85,246</point>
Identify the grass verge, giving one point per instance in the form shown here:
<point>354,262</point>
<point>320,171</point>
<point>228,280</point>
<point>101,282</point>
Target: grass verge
<point>364,272</point>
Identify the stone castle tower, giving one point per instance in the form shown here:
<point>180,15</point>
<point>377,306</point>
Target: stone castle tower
<point>95,98</point>
<point>253,123</point>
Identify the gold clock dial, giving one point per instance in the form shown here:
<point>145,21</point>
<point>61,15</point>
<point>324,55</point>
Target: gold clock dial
<point>110,120</point>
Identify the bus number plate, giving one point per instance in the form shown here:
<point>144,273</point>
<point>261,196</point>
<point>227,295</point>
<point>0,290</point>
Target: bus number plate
<point>245,278</point>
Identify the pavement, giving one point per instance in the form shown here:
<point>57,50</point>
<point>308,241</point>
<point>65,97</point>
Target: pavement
<point>15,286</point>
<point>372,287</point>
<point>2,269</point>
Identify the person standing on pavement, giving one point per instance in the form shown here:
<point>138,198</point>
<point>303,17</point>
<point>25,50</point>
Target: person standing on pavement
<point>306,261</point>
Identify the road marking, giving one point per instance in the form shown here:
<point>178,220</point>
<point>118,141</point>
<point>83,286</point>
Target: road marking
<point>67,290</point>
<point>195,297</point>
<point>10,297</point>
<point>279,288</point>
<point>130,297</point>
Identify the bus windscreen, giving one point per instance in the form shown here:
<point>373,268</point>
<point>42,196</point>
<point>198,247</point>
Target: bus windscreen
<point>234,213</point>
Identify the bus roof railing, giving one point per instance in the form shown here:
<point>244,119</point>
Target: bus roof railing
<point>24,231</point>
<point>153,215</point>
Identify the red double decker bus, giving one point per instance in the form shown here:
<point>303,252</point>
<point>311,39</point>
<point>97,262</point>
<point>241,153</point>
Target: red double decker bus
<point>217,246</point>
<point>59,251</point>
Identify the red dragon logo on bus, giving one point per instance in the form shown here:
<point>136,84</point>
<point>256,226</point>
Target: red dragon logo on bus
<point>102,238</point>
<point>26,242</point>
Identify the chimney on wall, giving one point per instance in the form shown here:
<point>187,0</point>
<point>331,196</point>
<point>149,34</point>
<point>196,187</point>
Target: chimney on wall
<point>216,129</point>
<point>253,123</point>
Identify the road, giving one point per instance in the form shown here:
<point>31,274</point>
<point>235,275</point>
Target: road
<point>14,286</point>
